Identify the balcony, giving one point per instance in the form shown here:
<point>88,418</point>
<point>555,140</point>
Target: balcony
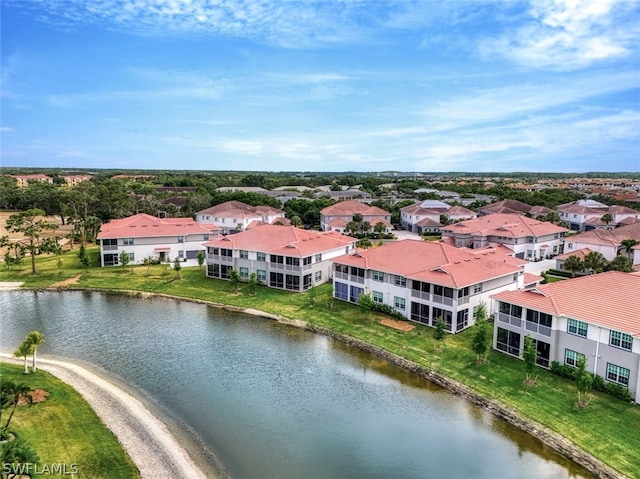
<point>109,247</point>
<point>289,267</point>
<point>538,328</point>
<point>514,320</point>
<point>443,300</point>
<point>219,259</point>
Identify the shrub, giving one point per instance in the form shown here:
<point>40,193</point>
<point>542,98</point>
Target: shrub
<point>618,391</point>
<point>386,309</point>
<point>563,370</point>
<point>598,383</point>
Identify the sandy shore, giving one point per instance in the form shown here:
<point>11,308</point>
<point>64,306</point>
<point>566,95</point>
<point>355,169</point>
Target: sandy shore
<point>151,446</point>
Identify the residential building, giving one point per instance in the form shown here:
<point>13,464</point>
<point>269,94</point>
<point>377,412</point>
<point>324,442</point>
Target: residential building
<point>163,239</point>
<point>585,215</point>
<point>427,280</point>
<point>24,180</point>
<point>428,216</point>
<point>595,317</point>
<point>283,257</point>
<point>345,195</point>
<point>235,216</point>
<point>73,180</point>
<point>607,242</point>
<point>514,207</point>
<point>528,238</point>
<point>337,217</point>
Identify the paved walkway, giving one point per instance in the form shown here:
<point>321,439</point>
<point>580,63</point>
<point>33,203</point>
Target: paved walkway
<point>9,285</point>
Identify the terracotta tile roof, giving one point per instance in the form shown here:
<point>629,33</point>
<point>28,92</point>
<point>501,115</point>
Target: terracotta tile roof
<point>237,209</point>
<point>530,279</point>
<point>580,253</point>
<point>460,211</point>
<point>612,237</point>
<point>429,222</point>
<point>432,261</point>
<point>351,207</point>
<point>515,226</point>
<point>283,240</point>
<point>620,210</point>
<point>146,226</point>
<point>338,223</point>
<point>540,210</point>
<point>608,299</point>
<point>506,206</point>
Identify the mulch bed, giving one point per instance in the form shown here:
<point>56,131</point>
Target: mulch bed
<point>401,325</point>
<point>37,395</point>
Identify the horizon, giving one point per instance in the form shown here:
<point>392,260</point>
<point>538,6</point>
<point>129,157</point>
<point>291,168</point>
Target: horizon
<point>315,86</point>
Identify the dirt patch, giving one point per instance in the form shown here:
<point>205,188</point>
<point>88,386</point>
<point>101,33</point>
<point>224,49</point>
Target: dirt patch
<point>401,325</point>
<point>66,282</point>
<point>37,395</point>
<point>61,232</point>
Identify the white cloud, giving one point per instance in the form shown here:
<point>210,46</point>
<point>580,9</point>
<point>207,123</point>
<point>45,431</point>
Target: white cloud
<point>6,129</point>
<point>570,34</point>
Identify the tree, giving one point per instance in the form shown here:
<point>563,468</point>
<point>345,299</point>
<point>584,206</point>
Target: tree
<point>14,455</point>
<point>148,261</point>
<point>529,354</point>
<point>366,304</point>
<point>480,344</point>
<point>438,333</point>
<point>628,244</point>
<point>573,264</point>
<point>201,257</point>
<point>177,266</point>
<point>621,263</point>
<point>15,392</point>
<point>595,262</point>
<point>366,227</point>
<point>607,218</point>
<point>24,350</point>
<point>234,278</point>
<point>27,222</point>
<point>35,338</point>
<point>84,257</point>
<point>296,221</point>
<point>584,382</point>
<point>124,259</point>
<point>252,284</point>
<point>379,228</point>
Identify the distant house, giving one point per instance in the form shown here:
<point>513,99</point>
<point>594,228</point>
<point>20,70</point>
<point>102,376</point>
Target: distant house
<point>528,238</point>
<point>73,180</point>
<point>282,257</point>
<point>337,217</point>
<point>585,215</point>
<point>607,242</point>
<point>427,280</point>
<point>163,239</point>
<point>23,181</point>
<point>513,207</point>
<point>592,317</point>
<point>235,216</point>
<point>345,195</point>
<point>426,216</point>
<point>579,253</point>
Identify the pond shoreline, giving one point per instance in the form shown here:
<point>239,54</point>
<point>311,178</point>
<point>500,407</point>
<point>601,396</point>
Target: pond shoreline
<point>548,437</point>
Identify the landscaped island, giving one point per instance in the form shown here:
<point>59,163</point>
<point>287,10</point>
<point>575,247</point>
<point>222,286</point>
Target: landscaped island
<point>607,429</point>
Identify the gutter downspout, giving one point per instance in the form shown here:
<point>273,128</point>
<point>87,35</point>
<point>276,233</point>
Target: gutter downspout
<point>595,362</point>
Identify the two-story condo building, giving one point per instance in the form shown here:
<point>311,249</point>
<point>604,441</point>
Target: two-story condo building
<point>513,207</point>
<point>427,280</point>
<point>23,181</point>
<point>163,239</point>
<point>607,242</point>
<point>425,216</point>
<point>282,257</point>
<point>234,216</point>
<point>528,238</point>
<point>585,215</point>
<point>337,217</point>
<point>596,317</point>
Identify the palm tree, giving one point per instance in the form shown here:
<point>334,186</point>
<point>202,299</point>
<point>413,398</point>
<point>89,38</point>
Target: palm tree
<point>607,218</point>
<point>628,245</point>
<point>296,221</point>
<point>16,391</point>
<point>24,350</point>
<point>595,262</point>
<point>621,263</point>
<point>35,338</point>
<point>573,264</point>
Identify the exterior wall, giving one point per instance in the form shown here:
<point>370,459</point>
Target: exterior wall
<point>165,249</point>
<point>229,224</point>
<point>326,220</point>
<point>409,221</point>
<point>522,247</point>
<point>608,251</point>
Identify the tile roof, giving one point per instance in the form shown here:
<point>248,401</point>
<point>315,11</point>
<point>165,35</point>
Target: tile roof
<point>506,206</point>
<point>608,299</point>
<point>351,207</point>
<point>238,209</point>
<point>580,253</point>
<point>515,226</point>
<point>434,262</point>
<point>283,240</point>
<point>147,226</point>
<point>460,211</point>
<point>607,237</point>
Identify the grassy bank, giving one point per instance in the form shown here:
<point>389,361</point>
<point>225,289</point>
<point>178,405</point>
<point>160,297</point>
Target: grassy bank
<point>64,429</point>
<point>607,429</point>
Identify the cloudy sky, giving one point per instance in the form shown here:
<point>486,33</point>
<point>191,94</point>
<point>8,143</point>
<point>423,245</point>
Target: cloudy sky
<point>331,85</point>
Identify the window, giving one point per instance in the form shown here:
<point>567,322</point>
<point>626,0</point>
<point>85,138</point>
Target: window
<point>292,282</point>
<point>571,358</point>
<point>477,288</point>
<point>306,281</point>
<point>275,259</point>
<point>355,294</point>
<point>577,327</point>
<point>618,374</point>
<point>180,254</point>
<point>180,239</point>
<point>276,280</point>
<point>213,270</point>
<point>319,258</point>
<point>244,254</point>
<point>621,340</point>
<point>420,286</point>
<point>261,256</point>
<point>378,276</point>
<point>508,341</point>
<point>292,261</point>
<point>463,292</point>
<point>306,261</point>
<point>444,314</point>
<point>462,319</point>
<point>127,241</point>
<point>398,303</point>
<point>318,276</point>
<point>359,272</point>
<point>341,268</point>
<point>420,312</point>
<point>341,291</point>
<point>400,281</point>
<point>377,297</point>
<point>205,237</point>
<point>110,242</point>
<point>539,322</point>
<point>110,259</point>
<point>511,309</point>
<point>226,252</point>
<point>244,272</point>
<point>262,275</point>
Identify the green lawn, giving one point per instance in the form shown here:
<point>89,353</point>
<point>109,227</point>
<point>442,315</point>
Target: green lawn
<point>64,430</point>
<point>608,429</point>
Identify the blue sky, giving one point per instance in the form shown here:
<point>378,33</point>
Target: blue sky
<point>351,85</point>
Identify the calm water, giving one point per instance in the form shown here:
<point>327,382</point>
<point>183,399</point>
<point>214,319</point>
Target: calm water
<point>273,401</point>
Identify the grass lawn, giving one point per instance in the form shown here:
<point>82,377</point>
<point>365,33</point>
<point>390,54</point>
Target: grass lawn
<point>63,429</point>
<point>609,429</point>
